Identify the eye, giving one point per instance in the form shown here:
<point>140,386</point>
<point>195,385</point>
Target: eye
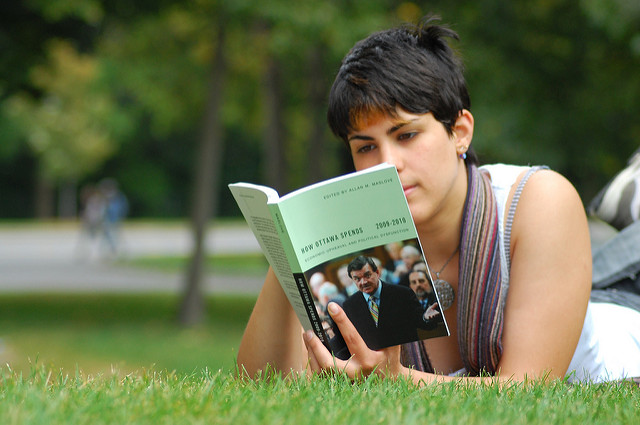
<point>407,136</point>
<point>365,148</point>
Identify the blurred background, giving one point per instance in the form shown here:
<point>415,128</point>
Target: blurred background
<point>148,109</point>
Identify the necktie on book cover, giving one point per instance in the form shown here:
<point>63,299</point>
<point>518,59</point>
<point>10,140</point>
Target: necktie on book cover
<point>373,308</point>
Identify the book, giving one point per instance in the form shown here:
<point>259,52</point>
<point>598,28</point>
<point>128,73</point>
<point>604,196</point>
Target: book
<point>311,235</point>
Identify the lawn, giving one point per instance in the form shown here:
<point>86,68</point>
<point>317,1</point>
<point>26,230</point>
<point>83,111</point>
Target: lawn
<point>251,264</point>
<point>116,359</point>
<point>123,359</point>
<point>48,397</point>
<point>97,333</point>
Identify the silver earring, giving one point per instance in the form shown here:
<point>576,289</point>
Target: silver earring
<point>463,155</point>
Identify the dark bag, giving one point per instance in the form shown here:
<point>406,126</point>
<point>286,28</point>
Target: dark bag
<point>618,203</point>
<point>616,269</point>
<point>616,263</point>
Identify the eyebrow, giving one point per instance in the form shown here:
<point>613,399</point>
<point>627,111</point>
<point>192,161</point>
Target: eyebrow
<point>389,132</point>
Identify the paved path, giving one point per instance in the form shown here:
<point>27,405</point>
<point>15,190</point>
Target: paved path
<point>51,258</point>
<point>54,258</point>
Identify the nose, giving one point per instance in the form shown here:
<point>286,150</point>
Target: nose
<point>392,154</point>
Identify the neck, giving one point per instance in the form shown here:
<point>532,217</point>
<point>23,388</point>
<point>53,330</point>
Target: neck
<point>441,235</point>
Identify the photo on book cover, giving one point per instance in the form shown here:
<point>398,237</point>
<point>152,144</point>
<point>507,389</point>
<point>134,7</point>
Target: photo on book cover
<point>386,291</point>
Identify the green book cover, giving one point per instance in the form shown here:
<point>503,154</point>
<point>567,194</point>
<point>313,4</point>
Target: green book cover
<point>311,235</point>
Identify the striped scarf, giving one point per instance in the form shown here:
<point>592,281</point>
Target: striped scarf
<point>481,294</point>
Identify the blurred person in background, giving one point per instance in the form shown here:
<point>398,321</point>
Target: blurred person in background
<point>116,209</point>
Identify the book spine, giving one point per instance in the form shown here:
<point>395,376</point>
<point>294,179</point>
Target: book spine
<point>306,296</point>
<point>310,307</point>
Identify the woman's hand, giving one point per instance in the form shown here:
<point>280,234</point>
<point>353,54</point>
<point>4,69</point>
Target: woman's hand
<point>363,361</point>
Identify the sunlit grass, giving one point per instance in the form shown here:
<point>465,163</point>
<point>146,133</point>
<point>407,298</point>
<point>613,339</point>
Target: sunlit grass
<point>115,359</point>
<point>45,396</point>
<point>123,359</point>
<point>252,264</point>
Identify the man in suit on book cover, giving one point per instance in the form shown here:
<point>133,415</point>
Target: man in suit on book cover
<point>420,284</point>
<point>384,314</point>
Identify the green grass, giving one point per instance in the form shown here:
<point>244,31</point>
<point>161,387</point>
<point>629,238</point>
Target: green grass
<point>98,333</point>
<point>252,264</point>
<point>116,359</point>
<point>149,397</point>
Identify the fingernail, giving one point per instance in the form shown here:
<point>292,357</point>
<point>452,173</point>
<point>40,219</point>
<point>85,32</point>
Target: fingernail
<point>308,335</point>
<point>333,308</point>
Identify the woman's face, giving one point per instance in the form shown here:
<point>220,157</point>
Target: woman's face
<point>425,155</point>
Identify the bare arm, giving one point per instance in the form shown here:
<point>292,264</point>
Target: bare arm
<point>550,279</point>
<point>273,335</point>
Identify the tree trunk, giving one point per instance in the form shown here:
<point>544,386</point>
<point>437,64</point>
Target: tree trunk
<point>317,99</point>
<point>275,166</point>
<point>45,197</point>
<point>68,200</point>
<point>205,197</point>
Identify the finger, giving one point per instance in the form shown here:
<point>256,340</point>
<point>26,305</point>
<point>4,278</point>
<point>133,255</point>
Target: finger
<point>313,362</point>
<point>322,359</point>
<point>352,338</point>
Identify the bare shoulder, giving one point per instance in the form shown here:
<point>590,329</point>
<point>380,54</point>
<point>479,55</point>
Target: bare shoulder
<point>549,198</point>
<point>551,184</point>
<point>550,224</point>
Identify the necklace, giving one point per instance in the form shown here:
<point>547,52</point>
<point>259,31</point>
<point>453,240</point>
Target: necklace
<point>446,294</point>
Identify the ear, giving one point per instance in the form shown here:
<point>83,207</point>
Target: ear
<point>463,131</point>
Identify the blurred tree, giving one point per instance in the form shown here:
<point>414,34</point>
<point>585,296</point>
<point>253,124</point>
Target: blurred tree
<point>611,91</point>
<point>551,81</point>
<point>71,127</point>
<point>281,41</point>
<point>206,182</point>
<point>24,33</point>
<point>300,46</point>
<point>144,91</point>
<point>274,132</point>
<point>41,41</point>
<point>156,65</point>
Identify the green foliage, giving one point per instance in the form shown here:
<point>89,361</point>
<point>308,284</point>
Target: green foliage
<point>71,127</point>
<point>156,397</point>
<point>56,10</point>
<point>159,64</point>
<point>550,85</point>
<point>552,81</point>
<point>617,17</point>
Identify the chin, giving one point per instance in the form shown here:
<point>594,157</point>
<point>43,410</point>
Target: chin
<point>421,213</point>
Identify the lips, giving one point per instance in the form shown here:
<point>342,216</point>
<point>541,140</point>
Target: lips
<point>408,189</point>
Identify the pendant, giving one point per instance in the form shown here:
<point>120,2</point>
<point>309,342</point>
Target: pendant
<point>445,292</point>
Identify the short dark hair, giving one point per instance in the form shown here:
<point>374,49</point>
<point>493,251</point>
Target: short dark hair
<point>359,262</point>
<point>411,67</point>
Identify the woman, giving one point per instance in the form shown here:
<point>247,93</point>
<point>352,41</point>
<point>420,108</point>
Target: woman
<point>522,276</point>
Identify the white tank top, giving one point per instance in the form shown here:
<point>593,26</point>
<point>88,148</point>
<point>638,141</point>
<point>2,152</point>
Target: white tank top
<point>609,346</point>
